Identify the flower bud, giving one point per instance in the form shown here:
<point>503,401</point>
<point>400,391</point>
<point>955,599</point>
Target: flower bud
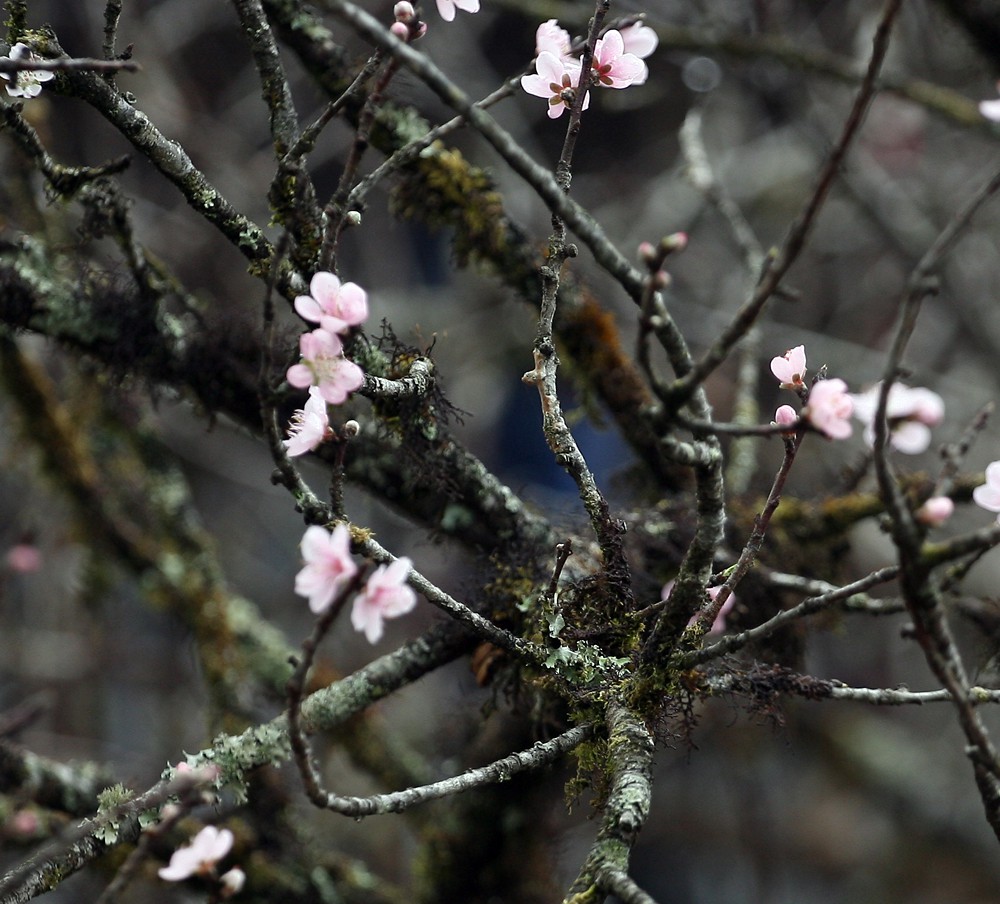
<point>785,416</point>
<point>232,882</point>
<point>350,429</point>
<point>353,218</point>
<point>935,511</point>
<point>404,11</point>
<point>400,31</point>
<point>676,241</point>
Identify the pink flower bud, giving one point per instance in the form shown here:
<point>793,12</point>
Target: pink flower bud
<point>785,416</point>
<point>935,511</point>
<point>647,253</point>
<point>400,31</point>
<point>676,241</point>
<point>403,11</point>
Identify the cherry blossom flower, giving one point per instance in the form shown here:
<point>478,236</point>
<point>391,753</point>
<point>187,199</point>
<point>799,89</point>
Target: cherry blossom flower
<point>309,426</point>
<point>790,368</point>
<point>935,511</point>
<point>639,39</point>
<point>328,565</point>
<point>28,82</point>
<point>990,109</point>
<point>335,307</point>
<point>324,366</point>
<point>555,81</point>
<point>987,495</point>
<point>911,412</point>
<point>447,7</point>
<point>551,38</point>
<point>386,595</point>
<point>613,67</point>
<point>207,848</point>
<point>829,408</point>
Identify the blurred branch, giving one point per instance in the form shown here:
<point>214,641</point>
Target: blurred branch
<point>794,242</point>
<point>920,589</point>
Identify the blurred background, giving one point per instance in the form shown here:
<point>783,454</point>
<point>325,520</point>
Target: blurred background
<point>823,802</point>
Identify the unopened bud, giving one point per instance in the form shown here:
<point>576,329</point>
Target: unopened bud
<point>400,30</point>
<point>661,279</point>
<point>647,253</point>
<point>353,218</point>
<point>404,11</point>
<point>676,241</point>
<point>232,882</point>
<point>350,429</point>
<point>935,511</point>
<point>785,416</point>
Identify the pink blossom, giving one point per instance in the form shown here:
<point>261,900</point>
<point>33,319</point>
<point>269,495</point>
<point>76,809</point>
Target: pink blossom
<point>324,366</point>
<point>555,81</point>
<point>386,595</point>
<point>613,67</point>
<point>328,565</point>
<point>23,558</point>
<point>910,413</point>
<point>26,83</point>
<point>935,511</point>
<point>790,368</point>
<point>447,7</point>
<point>309,426</point>
<point>829,408</point>
<point>207,848</point>
<point>551,38</point>
<point>785,416</point>
<point>335,307</point>
<point>987,495</point>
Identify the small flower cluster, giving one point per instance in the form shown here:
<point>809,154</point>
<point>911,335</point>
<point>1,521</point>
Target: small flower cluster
<point>200,857</point>
<point>828,405</point>
<point>910,412</point>
<point>328,375</point>
<point>26,83</point>
<point>617,63</point>
<point>329,567</point>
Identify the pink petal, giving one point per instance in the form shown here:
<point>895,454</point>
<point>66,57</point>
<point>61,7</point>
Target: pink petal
<point>308,308</point>
<point>324,287</point>
<point>299,376</point>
